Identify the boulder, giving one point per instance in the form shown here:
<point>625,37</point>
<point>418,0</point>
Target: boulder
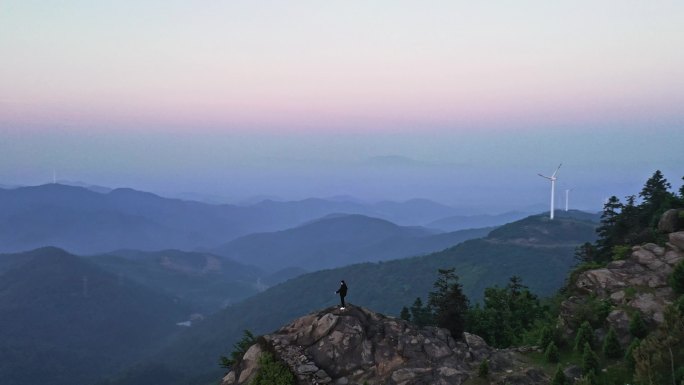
<point>670,221</point>
<point>677,239</point>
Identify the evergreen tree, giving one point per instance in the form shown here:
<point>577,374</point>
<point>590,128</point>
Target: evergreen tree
<point>585,335</point>
<point>611,345</point>
<point>681,192</point>
<point>607,230</point>
<point>551,354</point>
<point>449,303</point>
<point>590,361</point>
<point>239,350</point>
<point>546,336</point>
<point>585,253</point>
<point>559,377</point>
<point>637,326</point>
<point>676,279</point>
<point>629,354</point>
<point>421,315</point>
<point>405,314</point>
<point>656,192</point>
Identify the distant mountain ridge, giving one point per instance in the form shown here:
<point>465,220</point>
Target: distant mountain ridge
<point>88,222</point>
<point>337,240</point>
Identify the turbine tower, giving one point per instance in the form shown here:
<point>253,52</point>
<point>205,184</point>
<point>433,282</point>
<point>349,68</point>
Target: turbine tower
<point>552,178</point>
<point>567,194</point>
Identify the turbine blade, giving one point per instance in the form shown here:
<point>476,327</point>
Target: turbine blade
<point>554,173</point>
<point>544,176</point>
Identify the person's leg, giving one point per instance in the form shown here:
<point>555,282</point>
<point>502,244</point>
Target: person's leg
<point>342,300</point>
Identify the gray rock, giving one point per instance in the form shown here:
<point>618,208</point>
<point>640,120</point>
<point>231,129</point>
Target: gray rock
<point>677,239</point>
<point>358,345</point>
<point>573,373</point>
<point>669,221</point>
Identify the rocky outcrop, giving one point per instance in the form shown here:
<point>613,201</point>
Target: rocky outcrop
<point>357,346</point>
<point>638,283</point>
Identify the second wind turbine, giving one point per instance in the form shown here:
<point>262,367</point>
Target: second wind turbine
<point>552,178</point>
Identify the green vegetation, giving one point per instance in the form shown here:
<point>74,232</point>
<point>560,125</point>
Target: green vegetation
<point>677,278</point>
<point>272,372</point>
<point>637,326</point>
<point>551,353</point>
<point>558,377</point>
<point>483,369</point>
<point>590,361</point>
<point>611,345</point>
<point>506,315</point>
<point>239,350</point>
<point>633,223</point>
<point>449,303</point>
<point>584,336</point>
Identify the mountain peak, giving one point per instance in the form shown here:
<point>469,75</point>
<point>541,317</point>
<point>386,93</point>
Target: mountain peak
<point>357,345</point>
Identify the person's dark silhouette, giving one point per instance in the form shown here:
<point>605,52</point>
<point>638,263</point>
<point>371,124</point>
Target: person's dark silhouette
<point>342,291</point>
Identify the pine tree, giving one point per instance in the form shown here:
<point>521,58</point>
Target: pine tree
<point>585,253</point>
<point>559,377</point>
<point>421,315</point>
<point>656,191</point>
<point>405,314</point>
<point>637,326</point>
<point>551,354</point>
<point>629,354</point>
<point>607,230</point>
<point>449,303</point>
<point>585,335</point>
<point>547,336</point>
<point>611,345</point>
<point>590,361</point>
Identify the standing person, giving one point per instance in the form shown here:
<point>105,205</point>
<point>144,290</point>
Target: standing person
<point>342,291</point>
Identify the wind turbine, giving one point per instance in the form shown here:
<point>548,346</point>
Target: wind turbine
<point>567,194</point>
<point>552,178</point>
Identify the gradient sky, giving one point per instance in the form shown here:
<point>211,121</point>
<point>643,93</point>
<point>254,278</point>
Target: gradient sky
<point>299,98</point>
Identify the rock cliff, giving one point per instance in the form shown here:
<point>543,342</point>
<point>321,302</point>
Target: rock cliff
<point>637,284</point>
<point>358,346</point>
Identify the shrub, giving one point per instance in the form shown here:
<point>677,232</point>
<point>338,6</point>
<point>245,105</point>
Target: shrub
<point>676,279</point>
<point>559,377</point>
<point>621,252</point>
<point>585,335</point>
<point>272,372</point>
<point>637,326</point>
<point>611,345</point>
<point>590,361</point>
<point>629,354</point>
<point>483,370</point>
<point>551,353</point>
<point>547,336</point>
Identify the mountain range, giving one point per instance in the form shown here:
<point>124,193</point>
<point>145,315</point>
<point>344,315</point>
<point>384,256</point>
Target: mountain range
<point>339,240</point>
<point>88,222</point>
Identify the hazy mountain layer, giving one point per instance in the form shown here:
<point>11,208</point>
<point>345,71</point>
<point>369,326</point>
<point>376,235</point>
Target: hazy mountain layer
<point>65,321</point>
<point>338,241</point>
<point>89,222</point>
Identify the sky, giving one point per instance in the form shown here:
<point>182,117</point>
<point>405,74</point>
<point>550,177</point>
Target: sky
<point>461,102</point>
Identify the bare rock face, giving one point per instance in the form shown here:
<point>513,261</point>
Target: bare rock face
<point>357,345</point>
<point>640,282</point>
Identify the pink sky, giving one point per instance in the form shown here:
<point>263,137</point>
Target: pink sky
<point>339,66</point>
